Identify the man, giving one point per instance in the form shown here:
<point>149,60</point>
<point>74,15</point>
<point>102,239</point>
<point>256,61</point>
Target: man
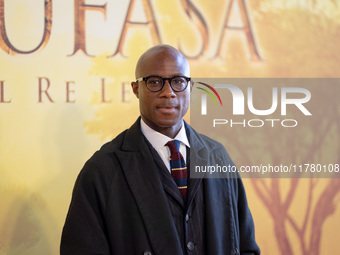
<point>130,198</point>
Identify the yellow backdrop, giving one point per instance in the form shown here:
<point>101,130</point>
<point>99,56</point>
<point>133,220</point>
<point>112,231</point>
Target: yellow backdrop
<point>65,75</point>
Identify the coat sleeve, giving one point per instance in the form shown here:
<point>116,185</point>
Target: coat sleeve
<point>84,231</point>
<point>248,245</point>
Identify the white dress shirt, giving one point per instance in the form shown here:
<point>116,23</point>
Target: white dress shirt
<point>159,140</point>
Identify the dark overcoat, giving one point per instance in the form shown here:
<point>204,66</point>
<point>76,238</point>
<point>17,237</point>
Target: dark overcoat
<point>119,205</point>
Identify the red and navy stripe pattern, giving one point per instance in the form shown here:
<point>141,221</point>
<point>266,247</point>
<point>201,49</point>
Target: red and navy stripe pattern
<point>178,168</point>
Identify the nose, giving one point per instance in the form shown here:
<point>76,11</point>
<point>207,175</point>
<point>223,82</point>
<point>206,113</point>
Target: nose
<point>167,90</point>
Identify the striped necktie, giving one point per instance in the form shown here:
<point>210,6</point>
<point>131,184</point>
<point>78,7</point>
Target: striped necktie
<point>178,168</point>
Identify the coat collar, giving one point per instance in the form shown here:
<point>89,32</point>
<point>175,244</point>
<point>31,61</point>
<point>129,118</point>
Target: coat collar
<point>134,142</point>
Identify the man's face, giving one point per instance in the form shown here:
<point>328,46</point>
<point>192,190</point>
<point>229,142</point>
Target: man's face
<point>163,111</point>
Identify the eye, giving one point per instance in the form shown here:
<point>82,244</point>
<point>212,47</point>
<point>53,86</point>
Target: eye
<point>178,80</point>
<point>154,82</point>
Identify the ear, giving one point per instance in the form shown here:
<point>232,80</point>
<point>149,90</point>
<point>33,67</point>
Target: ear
<point>135,86</point>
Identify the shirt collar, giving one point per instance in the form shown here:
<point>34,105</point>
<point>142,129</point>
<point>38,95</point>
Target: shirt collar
<point>158,140</point>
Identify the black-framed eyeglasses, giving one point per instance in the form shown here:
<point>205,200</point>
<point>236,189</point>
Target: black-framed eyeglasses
<point>156,83</point>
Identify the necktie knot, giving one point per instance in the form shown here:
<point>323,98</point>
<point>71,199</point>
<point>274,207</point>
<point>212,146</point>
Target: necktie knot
<point>173,146</point>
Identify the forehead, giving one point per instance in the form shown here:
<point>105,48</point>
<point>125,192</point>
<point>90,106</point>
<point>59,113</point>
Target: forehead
<point>163,63</point>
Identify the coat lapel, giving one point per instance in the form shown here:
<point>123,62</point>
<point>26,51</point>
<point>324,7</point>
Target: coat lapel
<point>220,231</point>
<point>170,186</point>
<point>197,152</point>
<point>143,178</point>
<point>167,180</point>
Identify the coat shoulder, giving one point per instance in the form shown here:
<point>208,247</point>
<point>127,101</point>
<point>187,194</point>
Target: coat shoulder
<point>210,143</point>
<point>108,149</point>
<point>212,146</point>
<point>101,167</point>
